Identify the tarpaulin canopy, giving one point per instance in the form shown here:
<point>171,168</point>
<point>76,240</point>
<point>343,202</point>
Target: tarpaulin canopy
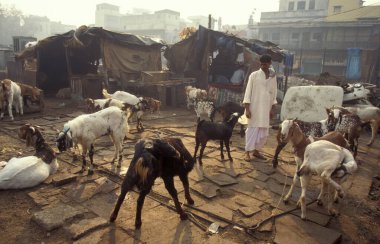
<point>85,46</point>
<point>192,55</point>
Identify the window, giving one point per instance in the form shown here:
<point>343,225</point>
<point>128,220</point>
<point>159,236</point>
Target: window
<point>295,36</point>
<point>276,36</point>
<point>337,9</point>
<point>301,5</point>
<point>312,4</point>
<point>291,6</point>
<point>317,36</point>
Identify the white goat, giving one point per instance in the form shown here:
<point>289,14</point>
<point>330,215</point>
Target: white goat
<point>94,105</point>
<point>29,171</point>
<point>193,94</point>
<point>329,161</point>
<point>86,128</point>
<point>122,96</point>
<point>10,93</point>
<point>138,105</point>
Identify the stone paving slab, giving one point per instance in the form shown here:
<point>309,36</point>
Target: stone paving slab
<point>105,185</point>
<point>265,168</point>
<point>256,218</point>
<point>316,217</point>
<point>63,179</point>
<point>82,192</point>
<point>221,179</point>
<point>84,226</point>
<point>218,210</point>
<point>56,216</point>
<point>207,190</point>
<point>43,197</point>
<point>258,175</point>
<point>291,229</point>
<point>249,211</point>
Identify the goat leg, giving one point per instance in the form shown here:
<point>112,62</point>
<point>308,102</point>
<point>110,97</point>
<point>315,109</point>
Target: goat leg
<point>221,150</point>
<point>185,182</point>
<point>83,163</point>
<point>127,185</point>
<point>140,203</point>
<point>196,149</point>
<point>242,132</point>
<point>279,147</point>
<point>227,142</point>
<point>203,146</point>
<point>374,128</point>
<point>169,184</point>
<point>305,179</point>
<point>91,155</point>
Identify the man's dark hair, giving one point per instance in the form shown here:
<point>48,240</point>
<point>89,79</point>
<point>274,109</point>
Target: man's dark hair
<point>265,58</point>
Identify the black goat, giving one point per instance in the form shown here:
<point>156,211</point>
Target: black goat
<point>154,158</point>
<point>207,130</point>
<point>229,108</point>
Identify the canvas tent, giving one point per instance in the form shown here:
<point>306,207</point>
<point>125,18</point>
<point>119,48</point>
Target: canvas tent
<point>212,57</point>
<point>66,59</point>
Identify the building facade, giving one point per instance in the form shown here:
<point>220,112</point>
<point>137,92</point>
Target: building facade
<point>320,32</point>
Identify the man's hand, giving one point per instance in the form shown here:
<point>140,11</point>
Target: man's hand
<point>248,113</point>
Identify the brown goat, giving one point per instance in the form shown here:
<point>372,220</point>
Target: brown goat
<point>291,131</point>
<point>32,93</point>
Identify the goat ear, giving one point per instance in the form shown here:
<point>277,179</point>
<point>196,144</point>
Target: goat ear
<point>166,149</point>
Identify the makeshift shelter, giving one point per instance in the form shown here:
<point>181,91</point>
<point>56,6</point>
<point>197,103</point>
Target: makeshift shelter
<point>222,63</point>
<point>75,59</point>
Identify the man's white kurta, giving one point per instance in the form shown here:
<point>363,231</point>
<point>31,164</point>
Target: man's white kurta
<point>261,95</point>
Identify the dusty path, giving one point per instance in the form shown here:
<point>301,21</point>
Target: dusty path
<point>242,197</point>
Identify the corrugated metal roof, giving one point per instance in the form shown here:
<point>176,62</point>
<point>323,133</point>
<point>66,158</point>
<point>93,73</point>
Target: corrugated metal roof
<point>369,13</point>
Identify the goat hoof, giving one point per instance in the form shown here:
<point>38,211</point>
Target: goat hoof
<point>333,212</point>
<point>286,201</point>
<point>319,202</point>
<point>274,164</point>
<point>183,216</point>
<point>119,166</point>
<point>341,194</point>
<point>90,172</point>
<point>336,200</point>
<point>303,217</point>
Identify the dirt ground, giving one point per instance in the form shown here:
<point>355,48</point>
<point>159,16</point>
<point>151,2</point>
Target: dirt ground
<point>359,220</point>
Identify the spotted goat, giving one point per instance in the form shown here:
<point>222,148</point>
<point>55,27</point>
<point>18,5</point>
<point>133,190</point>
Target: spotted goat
<point>349,125</point>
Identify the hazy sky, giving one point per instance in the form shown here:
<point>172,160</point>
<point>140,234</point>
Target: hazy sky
<point>78,12</point>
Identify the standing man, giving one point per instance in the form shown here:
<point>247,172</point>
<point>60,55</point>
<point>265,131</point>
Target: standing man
<point>259,98</point>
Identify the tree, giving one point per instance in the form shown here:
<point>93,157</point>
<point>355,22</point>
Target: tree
<point>10,18</point>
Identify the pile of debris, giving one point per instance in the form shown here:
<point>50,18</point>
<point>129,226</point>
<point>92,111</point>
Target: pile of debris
<point>299,81</point>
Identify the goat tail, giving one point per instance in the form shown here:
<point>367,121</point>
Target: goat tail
<point>105,93</point>
<point>141,170</point>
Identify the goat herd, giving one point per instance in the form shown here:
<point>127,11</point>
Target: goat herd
<point>320,148</point>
